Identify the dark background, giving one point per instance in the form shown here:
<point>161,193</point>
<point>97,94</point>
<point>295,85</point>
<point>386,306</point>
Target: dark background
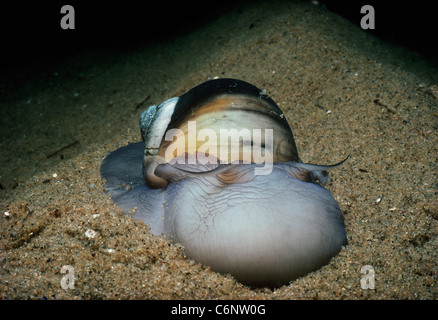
<point>31,36</point>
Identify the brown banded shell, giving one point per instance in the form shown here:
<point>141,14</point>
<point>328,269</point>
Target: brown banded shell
<point>232,110</point>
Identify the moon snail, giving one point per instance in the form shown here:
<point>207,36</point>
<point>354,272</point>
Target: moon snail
<point>243,204</point>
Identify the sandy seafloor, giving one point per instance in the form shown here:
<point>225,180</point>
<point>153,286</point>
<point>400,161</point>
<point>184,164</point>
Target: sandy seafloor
<point>341,90</point>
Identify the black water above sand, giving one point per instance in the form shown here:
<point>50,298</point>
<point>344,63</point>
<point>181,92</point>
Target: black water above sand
<point>341,90</point>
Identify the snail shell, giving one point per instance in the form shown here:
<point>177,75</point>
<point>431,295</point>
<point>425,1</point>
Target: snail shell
<point>217,105</point>
<point>264,229</point>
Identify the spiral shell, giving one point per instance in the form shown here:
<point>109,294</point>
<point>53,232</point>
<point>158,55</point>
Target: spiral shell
<point>216,106</point>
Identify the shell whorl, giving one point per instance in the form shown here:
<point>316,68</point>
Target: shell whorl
<point>215,105</point>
